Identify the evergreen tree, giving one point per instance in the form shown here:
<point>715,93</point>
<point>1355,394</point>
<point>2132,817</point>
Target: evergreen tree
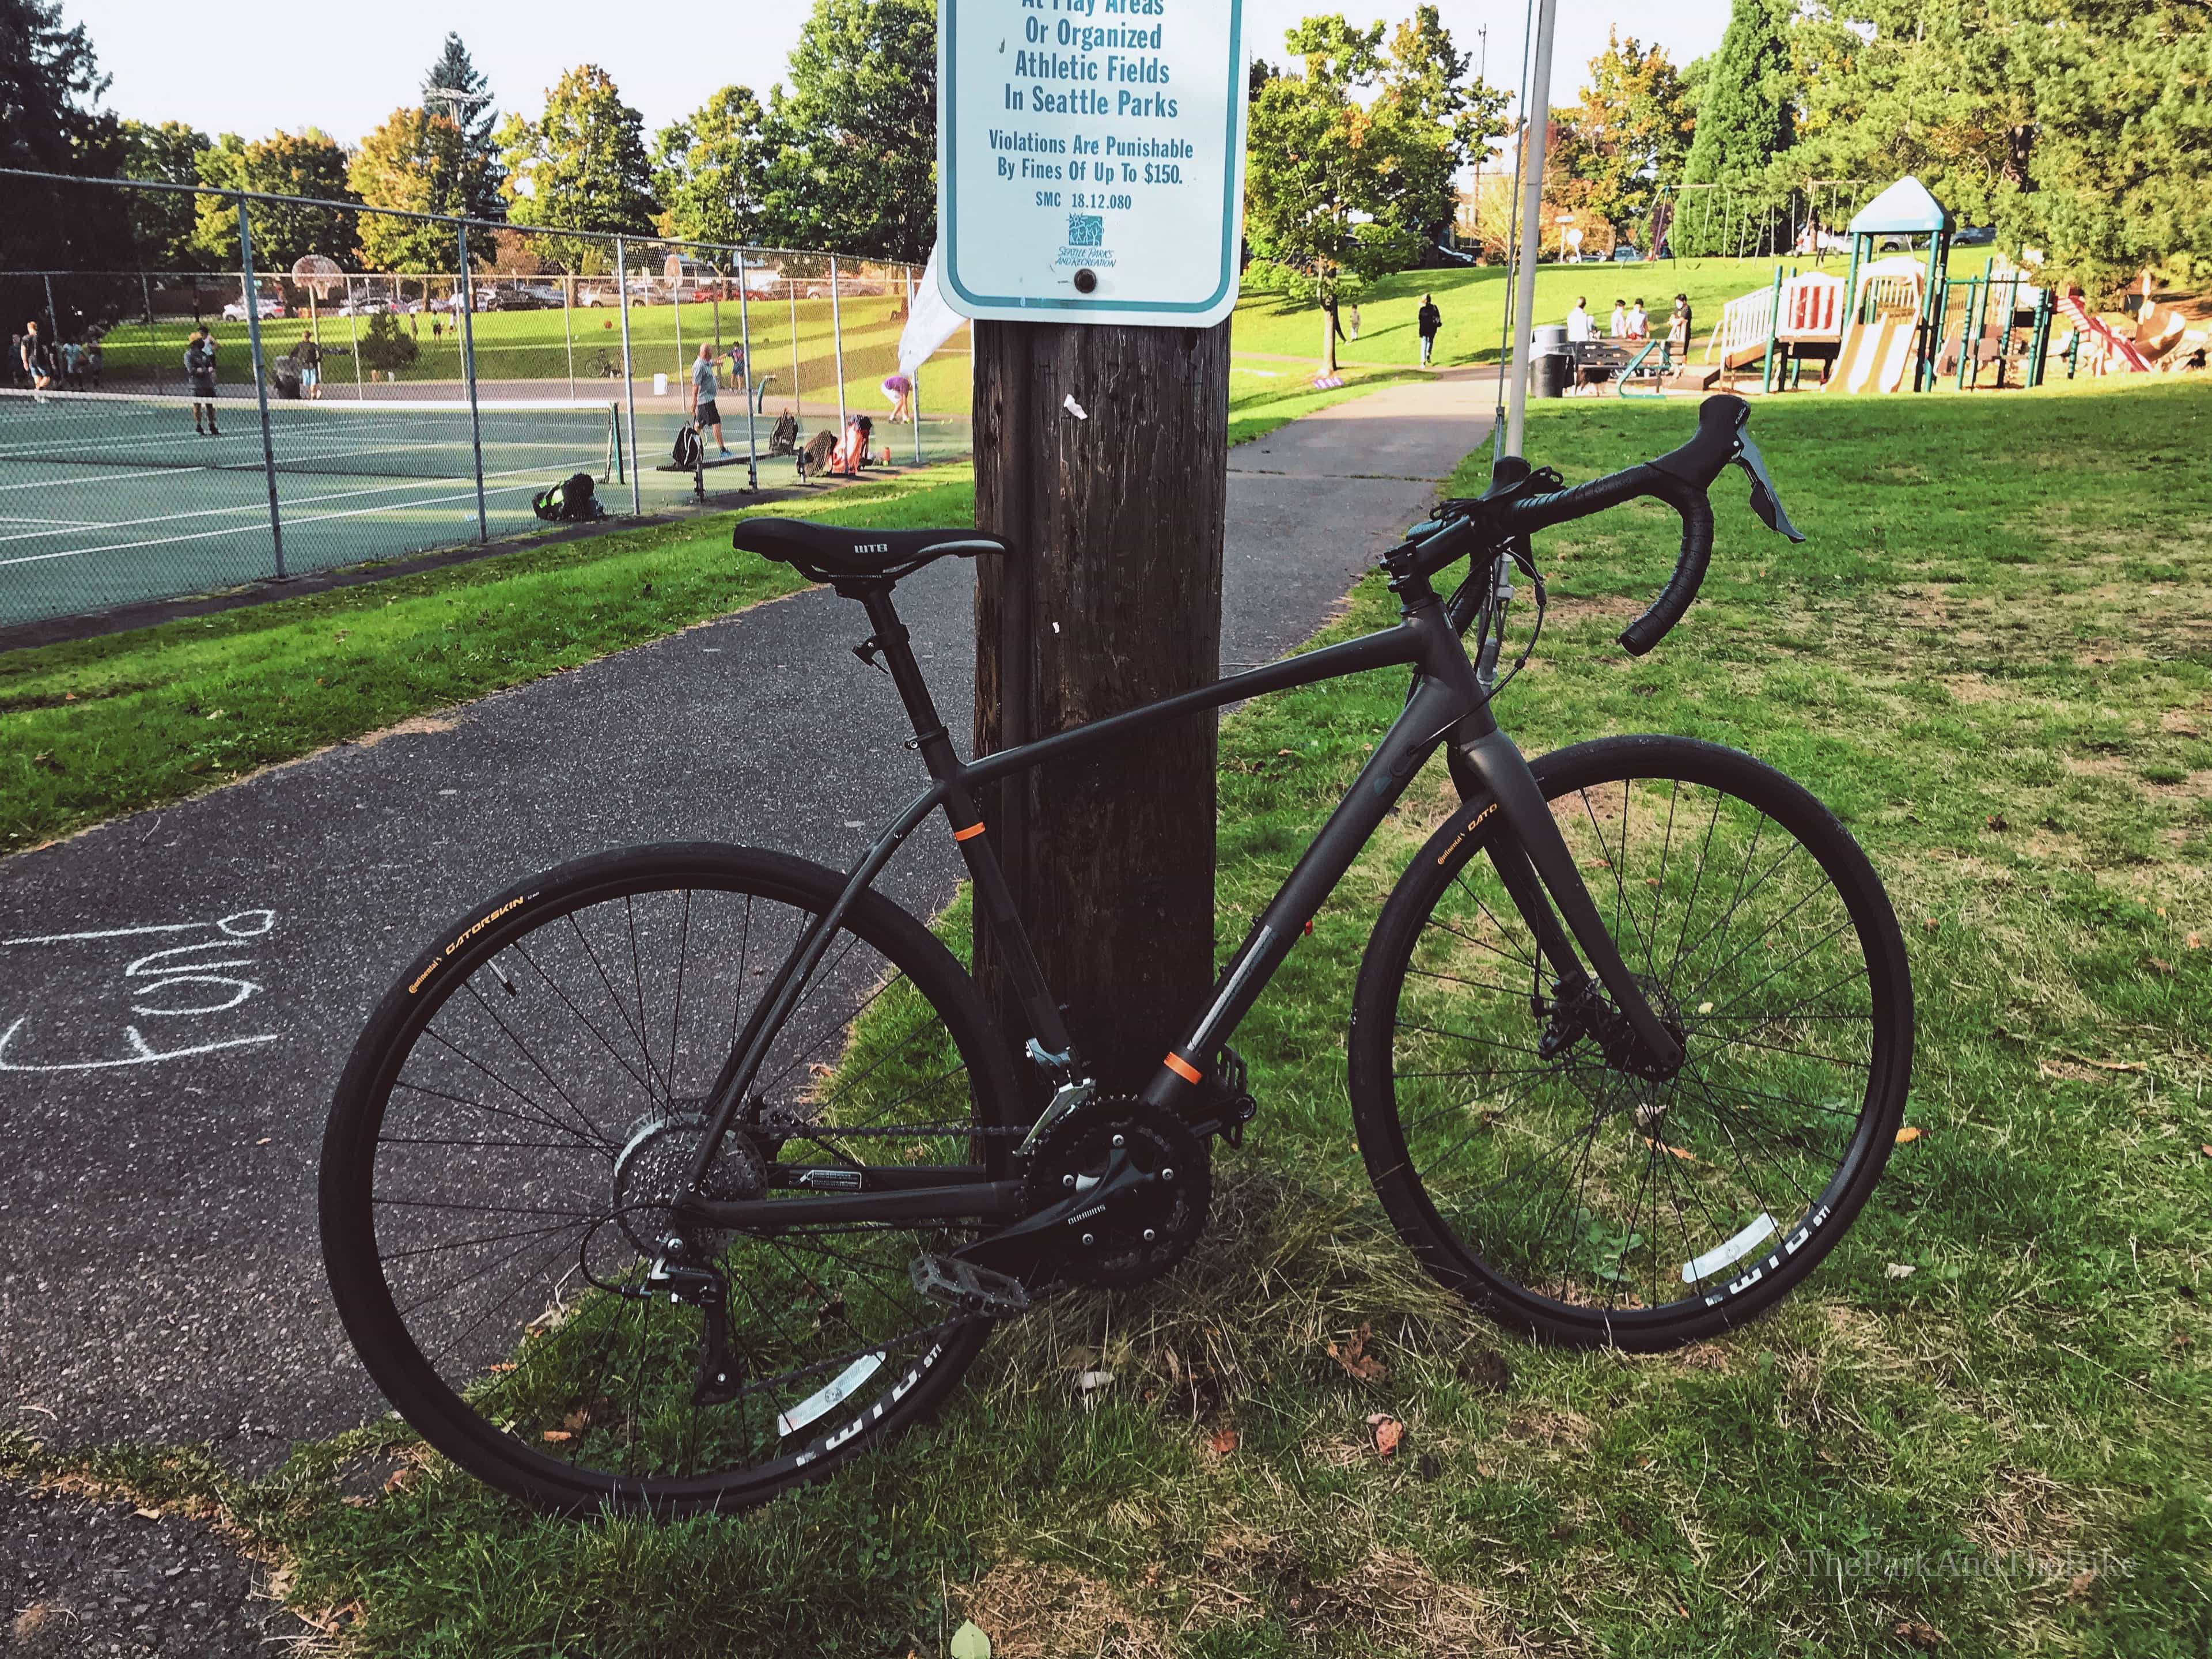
<point>855,139</point>
<point>49,121</point>
<point>456,89</point>
<point>1744,120</point>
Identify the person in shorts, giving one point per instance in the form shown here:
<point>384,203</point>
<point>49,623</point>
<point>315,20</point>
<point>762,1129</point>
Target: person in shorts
<point>701,395</point>
<point>37,358</point>
<point>899,388</point>
<point>199,372</point>
<point>309,356</point>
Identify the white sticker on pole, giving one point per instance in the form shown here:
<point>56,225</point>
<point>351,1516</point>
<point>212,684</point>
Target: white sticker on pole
<point>1090,159</point>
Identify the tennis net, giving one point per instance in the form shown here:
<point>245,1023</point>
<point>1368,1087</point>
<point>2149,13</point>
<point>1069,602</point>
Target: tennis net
<point>399,438</point>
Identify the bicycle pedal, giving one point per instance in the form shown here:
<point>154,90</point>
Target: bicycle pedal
<point>970,1288</point>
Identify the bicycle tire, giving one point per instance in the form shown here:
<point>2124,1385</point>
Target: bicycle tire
<point>492,1399</point>
<point>1433,989</point>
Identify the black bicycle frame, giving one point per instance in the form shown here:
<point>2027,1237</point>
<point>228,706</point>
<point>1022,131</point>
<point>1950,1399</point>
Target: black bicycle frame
<point>1446,705</point>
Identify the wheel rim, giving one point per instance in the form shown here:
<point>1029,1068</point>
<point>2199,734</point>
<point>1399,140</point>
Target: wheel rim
<point>513,1131</point>
<point>1589,1197</point>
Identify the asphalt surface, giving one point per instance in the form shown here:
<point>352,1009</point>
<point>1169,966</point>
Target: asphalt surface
<point>179,989</point>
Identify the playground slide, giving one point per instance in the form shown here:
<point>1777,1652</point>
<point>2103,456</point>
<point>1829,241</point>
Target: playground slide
<point>1877,352</point>
<point>2119,348</point>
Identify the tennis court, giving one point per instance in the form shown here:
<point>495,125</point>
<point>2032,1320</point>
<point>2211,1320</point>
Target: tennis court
<point>107,499</point>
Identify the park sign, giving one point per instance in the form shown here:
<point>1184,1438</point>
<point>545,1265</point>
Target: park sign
<point>1090,159</point>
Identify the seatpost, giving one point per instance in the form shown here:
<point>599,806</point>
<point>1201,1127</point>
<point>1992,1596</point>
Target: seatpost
<point>894,641</point>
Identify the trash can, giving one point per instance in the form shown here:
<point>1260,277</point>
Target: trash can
<point>1549,369</point>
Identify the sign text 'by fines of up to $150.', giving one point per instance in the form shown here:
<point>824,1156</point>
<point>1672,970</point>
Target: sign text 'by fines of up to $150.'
<point>1090,159</point>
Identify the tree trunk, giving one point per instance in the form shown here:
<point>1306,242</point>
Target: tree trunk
<point>1117,517</point>
<point>1329,336</point>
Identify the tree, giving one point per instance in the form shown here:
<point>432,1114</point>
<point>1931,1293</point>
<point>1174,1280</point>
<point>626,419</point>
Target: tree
<point>710,169</point>
<point>419,162</point>
<point>456,89</point>
<point>1425,85</point>
<point>1330,202</point>
<point>855,139</point>
<point>1744,120</point>
<point>49,90</point>
<point>163,223</point>
<point>309,162</point>
<point>1631,132</point>
<point>582,165</point>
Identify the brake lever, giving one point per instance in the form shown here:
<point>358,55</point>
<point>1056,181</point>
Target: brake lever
<point>1764,501</point>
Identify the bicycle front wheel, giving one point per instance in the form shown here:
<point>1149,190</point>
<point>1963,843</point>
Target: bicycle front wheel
<point>1580,1201</point>
<point>528,1099</point>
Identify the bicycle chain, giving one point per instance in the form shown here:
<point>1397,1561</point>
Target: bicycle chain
<point>801,1130</point>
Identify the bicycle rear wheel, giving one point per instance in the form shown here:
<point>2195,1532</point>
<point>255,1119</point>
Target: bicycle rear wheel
<point>1579,1201</point>
<point>524,1103</point>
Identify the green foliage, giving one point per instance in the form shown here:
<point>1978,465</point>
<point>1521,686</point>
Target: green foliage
<point>162,223</point>
<point>385,346</point>
<point>456,89</point>
<point>1745,119</point>
<point>49,121</point>
<point>420,161</point>
<point>853,138</point>
<point>309,162</point>
<point>579,164</point>
<point>1628,137</point>
<point>710,169</point>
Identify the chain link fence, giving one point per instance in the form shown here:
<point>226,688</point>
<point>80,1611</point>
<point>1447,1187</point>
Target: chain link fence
<point>286,408</point>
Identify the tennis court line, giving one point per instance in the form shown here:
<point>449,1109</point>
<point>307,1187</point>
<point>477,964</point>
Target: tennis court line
<point>233,530</point>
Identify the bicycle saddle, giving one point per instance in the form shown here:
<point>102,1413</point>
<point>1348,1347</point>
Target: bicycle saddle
<point>828,552</point>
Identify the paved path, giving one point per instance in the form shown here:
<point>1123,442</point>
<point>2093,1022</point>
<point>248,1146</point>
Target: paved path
<point>159,1275</point>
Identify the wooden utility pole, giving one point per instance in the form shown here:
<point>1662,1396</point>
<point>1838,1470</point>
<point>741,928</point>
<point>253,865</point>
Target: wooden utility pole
<point>1112,599</point>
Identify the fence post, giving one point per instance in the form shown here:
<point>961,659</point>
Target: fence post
<point>468,379</point>
<point>675,305</point>
<point>745,347</point>
<point>798,403</point>
<point>837,341</point>
<point>252,297</point>
<point>567,329</point>
<point>353,334</point>
<point>914,380</point>
<point>629,383</point>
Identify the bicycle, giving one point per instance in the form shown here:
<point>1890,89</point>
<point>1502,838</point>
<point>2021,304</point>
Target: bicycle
<point>680,1175</point>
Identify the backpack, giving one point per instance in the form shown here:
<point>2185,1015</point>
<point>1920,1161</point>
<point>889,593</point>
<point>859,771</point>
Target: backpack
<point>686,452</point>
<point>569,502</point>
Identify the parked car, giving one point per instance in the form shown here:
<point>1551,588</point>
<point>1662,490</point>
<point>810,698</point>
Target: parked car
<point>517,298</point>
<point>1975,236</point>
<point>1623,255</point>
<point>235,311</point>
<point>611,295</point>
<point>363,307</point>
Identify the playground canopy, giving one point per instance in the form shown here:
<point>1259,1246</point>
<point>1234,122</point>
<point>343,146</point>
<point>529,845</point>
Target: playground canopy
<point>1905,208</point>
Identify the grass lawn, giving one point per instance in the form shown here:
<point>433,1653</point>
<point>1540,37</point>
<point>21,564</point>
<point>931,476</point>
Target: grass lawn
<point>1993,658</point>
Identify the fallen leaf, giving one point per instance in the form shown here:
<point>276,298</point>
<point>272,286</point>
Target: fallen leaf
<point>1907,1135</point>
<point>1704,1007</point>
<point>1900,1270</point>
<point>1930,923</point>
<point>575,1420</point>
<point>1090,1382</point>
<point>2078,1586</point>
<point>2206,1148</point>
<point>1997,821</point>
<point>148,1515</point>
<point>969,1642</point>
<point>2161,964</point>
<point>1355,1358</point>
<point>1919,1635</point>
<point>557,1434</point>
<point>1224,1442</point>
<point>403,1477</point>
<point>1389,1431</point>
<point>1686,1156</point>
<point>501,1366</point>
<point>2194,941</point>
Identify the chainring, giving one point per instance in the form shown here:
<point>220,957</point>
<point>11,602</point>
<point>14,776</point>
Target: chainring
<point>654,1163</point>
<point>1141,1234</point>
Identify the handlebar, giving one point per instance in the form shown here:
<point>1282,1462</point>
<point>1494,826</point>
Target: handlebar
<point>1681,478</point>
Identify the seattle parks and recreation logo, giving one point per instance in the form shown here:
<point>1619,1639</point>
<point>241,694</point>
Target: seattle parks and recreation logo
<point>1086,243</point>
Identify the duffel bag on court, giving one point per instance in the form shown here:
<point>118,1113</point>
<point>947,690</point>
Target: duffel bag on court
<point>568,501</point>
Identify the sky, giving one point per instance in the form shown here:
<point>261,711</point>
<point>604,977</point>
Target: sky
<point>347,72</point>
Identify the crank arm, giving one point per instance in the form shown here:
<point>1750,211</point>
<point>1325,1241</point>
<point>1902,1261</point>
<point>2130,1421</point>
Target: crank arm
<point>1123,1176</point>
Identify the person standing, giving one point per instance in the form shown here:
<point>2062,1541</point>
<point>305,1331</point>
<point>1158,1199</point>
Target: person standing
<point>1355,321</point>
<point>38,359</point>
<point>1678,330</point>
<point>309,356</point>
<point>1639,321</point>
<point>1427,321</point>
<point>1578,322</point>
<point>1617,329</point>
<point>199,371</point>
<point>701,395</point>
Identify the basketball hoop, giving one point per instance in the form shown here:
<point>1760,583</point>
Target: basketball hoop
<point>318,273</point>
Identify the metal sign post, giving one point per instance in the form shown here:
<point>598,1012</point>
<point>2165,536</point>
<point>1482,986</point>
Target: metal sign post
<point>745,348</point>
<point>837,345</point>
<point>629,382</point>
<point>1536,96</point>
